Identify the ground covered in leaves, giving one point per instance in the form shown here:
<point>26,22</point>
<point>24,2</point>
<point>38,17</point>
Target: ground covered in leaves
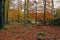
<point>29,32</point>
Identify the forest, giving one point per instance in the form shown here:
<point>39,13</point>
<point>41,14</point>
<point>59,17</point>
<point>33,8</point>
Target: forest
<point>30,20</point>
<point>34,11</point>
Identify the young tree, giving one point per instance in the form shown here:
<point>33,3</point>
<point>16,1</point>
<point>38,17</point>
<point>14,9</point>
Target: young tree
<point>19,9</point>
<point>7,8</point>
<point>44,11</point>
<point>24,11</point>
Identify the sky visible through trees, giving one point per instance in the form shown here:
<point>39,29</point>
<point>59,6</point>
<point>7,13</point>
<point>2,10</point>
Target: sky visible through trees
<point>15,3</point>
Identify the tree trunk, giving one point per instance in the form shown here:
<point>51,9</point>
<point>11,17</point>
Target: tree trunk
<point>4,11</point>
<point>18,16</point>
<point>24,11</point>
<point>44,11</point>
<point>7,12</point>
<point>1,15</point>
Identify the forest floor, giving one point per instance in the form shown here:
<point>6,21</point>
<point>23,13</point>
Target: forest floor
<point>29,32</point>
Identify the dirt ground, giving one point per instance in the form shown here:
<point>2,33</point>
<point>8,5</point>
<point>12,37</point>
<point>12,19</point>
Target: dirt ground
<point>29,32</point>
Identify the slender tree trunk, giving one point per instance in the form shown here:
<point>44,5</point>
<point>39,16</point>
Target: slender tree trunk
<point>18,12</point>
<point>7,13</point>
<point>28,11</point>
<point>4,11</point>
<point>36,14</point>
<point>53,10</point>
<point>1,15</point>
<point>24,11</point>
<point>44,12</point>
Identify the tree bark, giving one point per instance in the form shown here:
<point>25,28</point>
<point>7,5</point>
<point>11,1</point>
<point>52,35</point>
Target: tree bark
<point>7,12</point>
<point>4,11</point>
<point>44,11</point>
<point>1,15</point>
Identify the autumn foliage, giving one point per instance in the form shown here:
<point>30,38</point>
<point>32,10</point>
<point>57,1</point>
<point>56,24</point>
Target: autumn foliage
<point>40,16</point>
<point>13,16</point>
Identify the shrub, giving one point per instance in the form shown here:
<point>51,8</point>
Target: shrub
<point>55,22</point>
<point>41,33</point>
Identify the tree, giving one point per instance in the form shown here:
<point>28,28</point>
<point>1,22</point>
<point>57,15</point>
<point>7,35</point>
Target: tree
<point>19,4</point>
<point>1,14</point>
<point>25,12</point>
<point>7,8</point>
<point>44,11</point>
<point>4,10</point>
